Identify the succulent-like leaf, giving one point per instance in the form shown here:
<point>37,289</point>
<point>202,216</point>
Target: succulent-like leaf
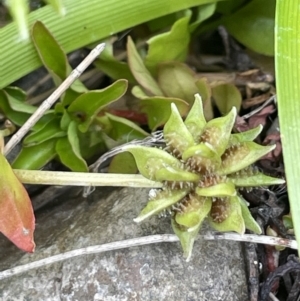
<point>257,179</point>
<point>250,222</point>
<point>194,210</point>
<point>226,215</point>
<point>49,131</point>
<point>123,163</point>
<point>124,130</point>
<point>218,190</point>
<point>249,135</point>
<point>68,150</point>
<point>217,131</point>
<point>169,46</point>
<point>227,96</point>
<point>149,160</point>
<point>86,107</point>
<point>43,153</point>
<point>237,157</point>
<point>140,72</point>
<point>187,238</point>
<point>17,220</point>
<point>177,80</point>
<point>195,120</point>
<point>204,89</point>
<point>162,200</point>
<point>158,109</point>
<point>177,136</point>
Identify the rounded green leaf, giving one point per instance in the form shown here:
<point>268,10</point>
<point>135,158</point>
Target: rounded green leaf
<point>49,131</point>
<point>169,46</point>
<point>86,107</point>
<point>253,25</point>
<point>35,157</point>
<point>227,96</point>
<point>158,109</point>
<point>68,150</point>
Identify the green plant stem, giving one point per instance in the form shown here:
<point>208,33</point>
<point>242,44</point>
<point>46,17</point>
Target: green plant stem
<point>287,63</point>
<point>85,22</point>
<point>83,179</point>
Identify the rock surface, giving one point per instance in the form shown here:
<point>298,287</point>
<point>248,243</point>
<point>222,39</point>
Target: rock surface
<point>151,272</point>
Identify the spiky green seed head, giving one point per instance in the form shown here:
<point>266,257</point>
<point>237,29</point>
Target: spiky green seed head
<point>202,168</point>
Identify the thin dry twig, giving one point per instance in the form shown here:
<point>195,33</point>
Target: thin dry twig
<point>46,105</point>
<point>146,240</point>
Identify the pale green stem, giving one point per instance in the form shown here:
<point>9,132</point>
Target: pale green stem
<point>83,179</point>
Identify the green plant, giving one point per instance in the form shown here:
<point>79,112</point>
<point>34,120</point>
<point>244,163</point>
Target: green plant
<point>202,168</point>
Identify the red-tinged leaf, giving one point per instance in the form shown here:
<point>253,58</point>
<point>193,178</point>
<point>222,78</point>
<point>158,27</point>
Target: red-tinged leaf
<point>17,220</point>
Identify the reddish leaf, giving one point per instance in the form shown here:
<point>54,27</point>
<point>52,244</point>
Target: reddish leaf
<point>17,220</point>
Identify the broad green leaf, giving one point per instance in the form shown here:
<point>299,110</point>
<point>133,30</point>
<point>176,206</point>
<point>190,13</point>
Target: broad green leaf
<point>253,25</point>
<point>169,46</point>
<point>124,130</point>
<point>240,156</point>
<point>158,109</point>
<point>17,111</point>
<point>112,67</point>
<point>16,93</point>
<point>250,222</point>
<point>249,135</point>
<point>287,63</point>
<point>49,131</point>
<point>229,6</point>
<point>195,120</point>
<point>50,52</point>
<point>177,80</point>
<point>149,160</point>
<point>86,107</point>
<point>229,212</point>
<point>140,72</point>
<point>194,212</point>
<point>218,190</point>
<point>187,238</point>
<point>203,12</point>
<point>65,120</point>
<point>227,96</point>
<point>177,136</point>
<point>217,131</point>
<point>162,200</point>
<point>68,150</point>
<point>123,163</point>
<point>17,220</point>
<point>204,89</point>
<point>18,60</point>
<point>254,180</point>
<point>35,157</point>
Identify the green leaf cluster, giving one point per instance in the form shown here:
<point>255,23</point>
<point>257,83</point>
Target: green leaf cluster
<point>202,168</point>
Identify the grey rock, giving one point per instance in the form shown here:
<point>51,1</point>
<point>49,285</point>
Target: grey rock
<point>151,272</point>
